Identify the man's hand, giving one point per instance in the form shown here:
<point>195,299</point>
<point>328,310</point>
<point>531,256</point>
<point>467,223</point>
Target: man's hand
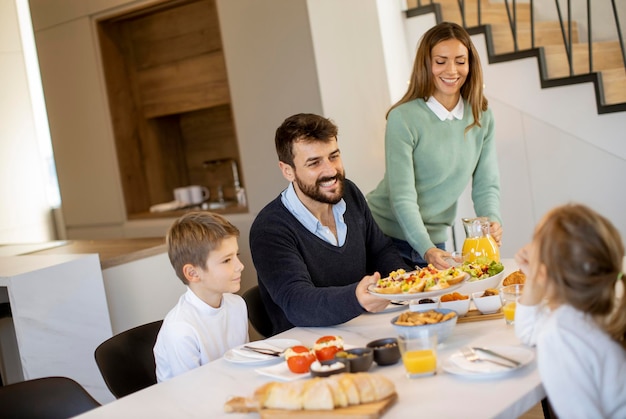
<point>368,301</point>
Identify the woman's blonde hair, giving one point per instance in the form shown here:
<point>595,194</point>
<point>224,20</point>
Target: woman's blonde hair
<point>583,254</point>
<point>422,83</point>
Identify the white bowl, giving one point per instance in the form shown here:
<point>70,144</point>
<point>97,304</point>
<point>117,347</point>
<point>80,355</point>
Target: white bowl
<point>487,305</point>
<point>415,305</point>
<point>442,329</point>
<point>481,284</point>
<point>460,306</point>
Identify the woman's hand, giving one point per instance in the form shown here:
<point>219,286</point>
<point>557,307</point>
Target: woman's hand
<point>368,301</point>
<point>495,229</point>
<point>437,258</point>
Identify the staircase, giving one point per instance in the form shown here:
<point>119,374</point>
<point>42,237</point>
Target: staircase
<point>608,73</point>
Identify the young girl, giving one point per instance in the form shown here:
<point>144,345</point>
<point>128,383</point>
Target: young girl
<point>573,310</point>
<point>438,137</point>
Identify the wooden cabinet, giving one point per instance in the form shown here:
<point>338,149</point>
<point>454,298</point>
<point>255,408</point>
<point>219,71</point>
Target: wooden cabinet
<point>169,101</point>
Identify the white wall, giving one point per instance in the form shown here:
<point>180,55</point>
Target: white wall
<point>353,82</point>
<point>24,209</point>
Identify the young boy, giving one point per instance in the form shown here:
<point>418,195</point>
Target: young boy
<point>209,318</point>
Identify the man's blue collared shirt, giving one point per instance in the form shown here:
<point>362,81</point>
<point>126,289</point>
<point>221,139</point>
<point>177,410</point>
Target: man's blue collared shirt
<point>291,201</point>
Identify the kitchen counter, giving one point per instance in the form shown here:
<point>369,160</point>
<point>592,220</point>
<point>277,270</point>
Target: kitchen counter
<point>59,316</point>
<point>112,252</point>
<point>139,281</point>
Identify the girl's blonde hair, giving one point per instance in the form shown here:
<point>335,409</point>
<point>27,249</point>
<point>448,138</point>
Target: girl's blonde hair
<point>583,254</point>
<point>422,83</point>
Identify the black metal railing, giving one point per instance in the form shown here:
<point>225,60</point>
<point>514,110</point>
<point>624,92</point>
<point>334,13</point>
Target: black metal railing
<point>565,22</point>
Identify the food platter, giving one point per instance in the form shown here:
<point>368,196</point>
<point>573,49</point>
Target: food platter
<point>417,295</point>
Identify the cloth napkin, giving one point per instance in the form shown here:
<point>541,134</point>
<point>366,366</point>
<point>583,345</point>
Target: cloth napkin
<point>167,206</point>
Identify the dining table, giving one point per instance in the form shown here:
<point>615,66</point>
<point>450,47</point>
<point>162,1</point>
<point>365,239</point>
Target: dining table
<point>203,392</point>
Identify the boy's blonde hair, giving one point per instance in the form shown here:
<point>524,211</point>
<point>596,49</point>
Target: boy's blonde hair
<point>583,255</point>
<point>191,237</point>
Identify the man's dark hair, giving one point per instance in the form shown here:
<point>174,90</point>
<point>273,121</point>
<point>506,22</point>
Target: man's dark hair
<point>302,127</point>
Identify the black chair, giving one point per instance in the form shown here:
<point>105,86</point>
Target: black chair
<point>126,360</point>
<point>5,311</point>
<point>45,398</point>
<point>257,314</point>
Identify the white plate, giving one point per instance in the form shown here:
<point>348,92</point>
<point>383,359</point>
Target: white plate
<point>281,372</point>
<point>392,307</point>
<point>417,295</point>
<point>457,364</point>
<point>239,355</point>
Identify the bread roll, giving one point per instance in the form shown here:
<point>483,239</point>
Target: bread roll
<point>349,388</point>
<point>327,393</point>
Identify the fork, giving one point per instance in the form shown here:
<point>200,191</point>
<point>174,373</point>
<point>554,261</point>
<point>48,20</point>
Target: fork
<point>264,351</point>
<point>472,356</point>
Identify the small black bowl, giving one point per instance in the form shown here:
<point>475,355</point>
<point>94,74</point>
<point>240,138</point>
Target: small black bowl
<point>386,351</point>
<point>328,372</point>
<point>357,359</point>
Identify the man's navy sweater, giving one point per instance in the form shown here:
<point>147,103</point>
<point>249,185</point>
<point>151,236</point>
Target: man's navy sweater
<point>305,281</point>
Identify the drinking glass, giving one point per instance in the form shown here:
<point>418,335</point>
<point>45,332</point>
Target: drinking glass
<point>510,294</point>
<point>419,354</point>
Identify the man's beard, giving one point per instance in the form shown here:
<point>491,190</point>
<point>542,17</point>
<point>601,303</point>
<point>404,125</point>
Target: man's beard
<point>314,192</point>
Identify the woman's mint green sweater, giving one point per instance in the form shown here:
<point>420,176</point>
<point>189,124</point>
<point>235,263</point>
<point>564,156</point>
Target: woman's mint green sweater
<point>429,163</point>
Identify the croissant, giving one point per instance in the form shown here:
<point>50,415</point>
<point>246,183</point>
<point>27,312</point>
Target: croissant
<point>336,391</point>
<point>517,277</point>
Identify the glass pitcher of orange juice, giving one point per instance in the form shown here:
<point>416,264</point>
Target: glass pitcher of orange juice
<point>478,241</point>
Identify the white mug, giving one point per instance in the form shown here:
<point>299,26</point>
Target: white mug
<point>191,195</point>
<point>198,194</point>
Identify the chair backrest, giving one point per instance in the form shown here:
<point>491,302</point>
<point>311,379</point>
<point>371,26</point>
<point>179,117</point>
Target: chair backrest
<point>257,314</point>
<point>45,398</point>
<point>126,360</point>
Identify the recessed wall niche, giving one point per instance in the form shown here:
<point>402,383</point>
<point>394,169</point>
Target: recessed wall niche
<point>170,104</point>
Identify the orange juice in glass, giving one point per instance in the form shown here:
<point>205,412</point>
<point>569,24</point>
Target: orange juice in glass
<point>419,354</point>
<point>510,294</point>
<point>420,362</point>
<point>509,312</point>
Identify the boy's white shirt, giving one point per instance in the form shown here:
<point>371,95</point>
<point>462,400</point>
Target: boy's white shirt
<point>194,333</point>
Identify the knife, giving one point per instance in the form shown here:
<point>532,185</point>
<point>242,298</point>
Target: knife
<point>490,352</point>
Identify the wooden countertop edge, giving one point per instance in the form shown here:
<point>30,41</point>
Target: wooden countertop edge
<point>131,257</point>
<point>111,252</point>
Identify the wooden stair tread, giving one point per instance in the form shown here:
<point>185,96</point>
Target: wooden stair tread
<point>614,82</point>
<point>607,56</point>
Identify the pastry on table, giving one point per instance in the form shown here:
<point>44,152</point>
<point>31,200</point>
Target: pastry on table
<point>328,393</point>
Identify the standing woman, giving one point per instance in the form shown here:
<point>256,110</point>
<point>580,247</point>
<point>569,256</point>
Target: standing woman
<point>438,137</point>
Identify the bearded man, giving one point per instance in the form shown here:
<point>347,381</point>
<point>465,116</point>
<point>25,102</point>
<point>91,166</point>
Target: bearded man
<point>316,247</point>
